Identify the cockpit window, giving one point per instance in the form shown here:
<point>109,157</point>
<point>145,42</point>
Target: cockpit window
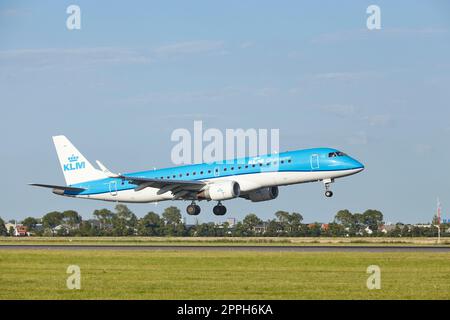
<point>336,154</point>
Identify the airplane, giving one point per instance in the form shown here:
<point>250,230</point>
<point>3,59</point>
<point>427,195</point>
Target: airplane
<point>253,178</point>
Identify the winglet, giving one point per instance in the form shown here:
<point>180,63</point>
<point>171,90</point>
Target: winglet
<point>106,170</point>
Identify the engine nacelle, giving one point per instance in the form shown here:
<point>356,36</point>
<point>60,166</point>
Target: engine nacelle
<point>263,194</point>
<point>224,190</point>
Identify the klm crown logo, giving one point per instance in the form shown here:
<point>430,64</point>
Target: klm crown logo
<point>74,164</point>
<point>72,158</point>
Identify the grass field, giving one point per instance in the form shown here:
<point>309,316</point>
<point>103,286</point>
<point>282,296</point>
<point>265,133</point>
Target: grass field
<point>41,274</point>
<point>222,241</point>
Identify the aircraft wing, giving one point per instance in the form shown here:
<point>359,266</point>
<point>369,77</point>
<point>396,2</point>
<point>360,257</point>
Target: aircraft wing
<point>181,189</point>
<point>164,185</point>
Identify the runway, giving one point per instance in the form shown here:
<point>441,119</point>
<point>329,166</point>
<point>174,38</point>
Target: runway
<point>434,249</point>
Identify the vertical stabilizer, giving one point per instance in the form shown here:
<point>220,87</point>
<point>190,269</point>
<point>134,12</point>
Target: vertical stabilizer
<point>75,166</point>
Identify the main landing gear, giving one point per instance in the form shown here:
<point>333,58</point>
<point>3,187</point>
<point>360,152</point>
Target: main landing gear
<point>193,209</point>
<point>328,192</point>
<point>220,209</point>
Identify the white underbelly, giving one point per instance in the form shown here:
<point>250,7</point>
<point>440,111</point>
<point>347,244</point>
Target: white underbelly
<point>142,196</point>
<point>247,182</point>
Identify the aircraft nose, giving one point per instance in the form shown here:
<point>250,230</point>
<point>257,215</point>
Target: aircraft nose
<point>356,165</point>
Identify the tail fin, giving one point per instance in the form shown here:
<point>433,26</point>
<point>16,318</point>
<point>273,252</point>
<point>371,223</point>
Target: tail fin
<point>75,166</point>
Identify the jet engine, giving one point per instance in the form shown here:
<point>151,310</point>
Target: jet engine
<point>219,191</point>
<point>263,194</point>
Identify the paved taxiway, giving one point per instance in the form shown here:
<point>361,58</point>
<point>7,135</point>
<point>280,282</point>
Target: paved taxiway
<point>233,248</point>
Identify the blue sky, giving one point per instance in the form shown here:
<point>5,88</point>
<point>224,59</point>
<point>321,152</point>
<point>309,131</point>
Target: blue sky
<point>136,71</point>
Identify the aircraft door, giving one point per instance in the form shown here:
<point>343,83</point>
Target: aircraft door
<point>315,162</point>
<point>113,188</point>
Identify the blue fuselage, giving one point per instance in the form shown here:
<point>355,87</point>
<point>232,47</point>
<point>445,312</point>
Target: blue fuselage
<point>318,160</point>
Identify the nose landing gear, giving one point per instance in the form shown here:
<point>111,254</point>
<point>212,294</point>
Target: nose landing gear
<point>328,192</point>
<point>193,209</point>
<point>220,209</point>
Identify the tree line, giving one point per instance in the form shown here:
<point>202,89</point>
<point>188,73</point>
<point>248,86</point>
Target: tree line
<point>123,222</point>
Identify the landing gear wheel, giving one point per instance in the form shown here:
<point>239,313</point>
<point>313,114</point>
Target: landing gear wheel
<point>193,209</point>
<point>219,210</point>
<point>328,192</point>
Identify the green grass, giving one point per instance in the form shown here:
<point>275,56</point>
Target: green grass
<point>41,274</point>
<point>217,241</point>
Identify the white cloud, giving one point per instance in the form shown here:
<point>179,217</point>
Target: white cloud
<point>295,54</point>
<point>190,47</point>
<point>359,138</point>
<point>184,96</point>
<point>416,31</point>
<point>14,12</point>
<point>365,34</point>
<point>339,36</point>
<point>266,92</point>
<point>340,110</point>
<point>295,91</point>
<point>189,116</point>
<point>341,76</point>
<point>247,44</point>
<point>208,95</point>
<point>423,148</point>
<point>70,58</point>
<point>379,120</point>
<point>44,58</point>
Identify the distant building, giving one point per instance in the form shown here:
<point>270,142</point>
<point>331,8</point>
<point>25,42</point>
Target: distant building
<point>423,225</point>
<point>319,225</point>
<point>387,228</point>
<point>261,228</point>
<point>61,229</point>
<point>19,230</point>
<point>231,222</point>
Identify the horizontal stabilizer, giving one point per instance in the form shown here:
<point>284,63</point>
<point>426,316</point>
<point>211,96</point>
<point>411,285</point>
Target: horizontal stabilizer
<point>64,188</point>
